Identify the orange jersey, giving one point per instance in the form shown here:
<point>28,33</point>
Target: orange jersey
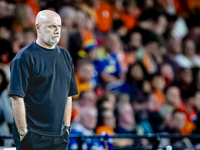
<point>159,98</point>
<point>104,14</point>
<point>106,129</point>
<point>129,21</point>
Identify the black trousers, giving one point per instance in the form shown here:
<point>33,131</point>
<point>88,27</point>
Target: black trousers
<point>33,141</point>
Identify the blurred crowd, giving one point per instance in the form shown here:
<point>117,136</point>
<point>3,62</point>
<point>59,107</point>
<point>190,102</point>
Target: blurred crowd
<point>137,65</point>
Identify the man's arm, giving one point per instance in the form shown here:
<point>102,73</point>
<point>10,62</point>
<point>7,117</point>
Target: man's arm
<point>68,112</point>
<point>19,113</point>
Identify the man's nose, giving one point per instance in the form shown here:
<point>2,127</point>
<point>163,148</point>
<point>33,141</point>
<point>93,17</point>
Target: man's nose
<point>57,30</point>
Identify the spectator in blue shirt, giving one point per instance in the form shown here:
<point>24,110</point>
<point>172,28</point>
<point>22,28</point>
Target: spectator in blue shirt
<point>109,67</point>
<point>86,126</point>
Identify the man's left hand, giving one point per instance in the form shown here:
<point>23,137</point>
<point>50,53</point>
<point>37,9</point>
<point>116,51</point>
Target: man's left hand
<point>67,131</point>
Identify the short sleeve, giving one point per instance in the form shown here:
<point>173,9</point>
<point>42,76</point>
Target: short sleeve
<point>73,86</point>
<point>19,77</point>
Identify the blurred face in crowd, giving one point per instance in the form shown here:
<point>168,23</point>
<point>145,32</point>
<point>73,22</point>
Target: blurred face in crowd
<point>174,45</point>
<point>48,25</point>
<point>131,8</point>
<point>4,33</point>
<point>153,104</point>
<point>135,40</point>
<point>112,43</point>
<point>85,72</point>
<point>158,83</point>
<point>89,24</point>
<point>186,76</point>
<point>161,25</point>
<point>147,86</point>
<point>178,120</point>
<point>173,96</point>
<point>109,119</point>
<point>189,48</point>
<point>29,17</point>
<point>192,103</point>
<point>29,37</point>
<point>127,115</point>
<point>11,9</point>
<point>88,117</point>
<point>167,73</point>
<point>18,40</point>
<point>80,19</point>
<point>137,73</point>
<point>92,55</point>
<point>149,3</point>
<point>88,99</point>
<point>152,48</point>
<point>3,9</point>
<point>68,15</point>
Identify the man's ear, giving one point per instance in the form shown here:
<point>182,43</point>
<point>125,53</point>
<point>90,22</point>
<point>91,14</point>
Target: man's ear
<point>38,28</point>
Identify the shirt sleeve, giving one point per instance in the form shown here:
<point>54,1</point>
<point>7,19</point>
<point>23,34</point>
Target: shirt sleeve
<point>19,77</point>
<point>73,86</point>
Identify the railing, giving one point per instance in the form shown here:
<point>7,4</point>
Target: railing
<point>154,138</point>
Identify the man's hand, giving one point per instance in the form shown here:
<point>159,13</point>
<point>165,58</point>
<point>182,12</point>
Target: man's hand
<point>67,131</point>
<point>22,137</point>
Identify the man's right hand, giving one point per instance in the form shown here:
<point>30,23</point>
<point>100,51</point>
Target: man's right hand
<point>22,136</point>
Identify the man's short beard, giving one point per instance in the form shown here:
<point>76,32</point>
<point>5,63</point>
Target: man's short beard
<point>50,40</point>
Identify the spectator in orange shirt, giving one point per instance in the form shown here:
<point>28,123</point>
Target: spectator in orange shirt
<point>158,85</point>
<point>167,73</point>
<point>84,75</point>
<point>106,122</point>
<point>104,14</point>
<point>177,122</point>
<point>172,101</point>
<point>189,106</point>
<point>86,98</point>
<point>129,14</point>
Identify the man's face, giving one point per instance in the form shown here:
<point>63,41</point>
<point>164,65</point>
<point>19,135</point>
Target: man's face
<point>135,40</point>
<point>175,45</point>
<point>179,120</point>
<point>186,76</point>
<point>88,99</point>
<point>109,119</point>
<point>128,115</point>
<point>50,30</point>
<point>90,120</point>
<point>86,72</point>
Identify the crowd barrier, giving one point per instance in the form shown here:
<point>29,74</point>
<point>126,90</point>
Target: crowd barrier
<point>154,138</point>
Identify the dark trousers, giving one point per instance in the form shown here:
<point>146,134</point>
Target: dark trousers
<point>33,141</point>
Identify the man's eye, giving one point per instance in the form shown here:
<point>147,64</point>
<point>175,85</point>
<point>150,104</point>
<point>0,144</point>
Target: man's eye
<point>50,26</point>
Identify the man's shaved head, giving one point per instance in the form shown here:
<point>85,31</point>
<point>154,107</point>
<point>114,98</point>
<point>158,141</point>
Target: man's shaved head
<point>44,16</point>
<point>48,25</point>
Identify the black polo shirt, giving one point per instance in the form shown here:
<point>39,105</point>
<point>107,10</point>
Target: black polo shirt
<point>44,78</point>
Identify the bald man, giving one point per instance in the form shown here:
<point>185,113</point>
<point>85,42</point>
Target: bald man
<point>41,85</point>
